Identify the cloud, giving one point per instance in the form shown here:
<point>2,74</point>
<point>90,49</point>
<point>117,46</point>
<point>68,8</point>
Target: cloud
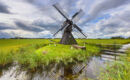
<point>125,16</point>
<point>28,27</point>
<point>37,18</point>
<point>8,33</point>
<point>4,8</point>
<point>4,26</point>
<point>52,27</point>
<point>5,35</point>
<point>116,25</point>
<point>104,5</point>
<point>47,7</point>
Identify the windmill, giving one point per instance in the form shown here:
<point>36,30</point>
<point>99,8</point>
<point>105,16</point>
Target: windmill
<point>68,25</point>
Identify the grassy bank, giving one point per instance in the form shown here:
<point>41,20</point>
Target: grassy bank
<point>119,70</point>
<point>33,58</point>
<point>34,53</point>
<point>10,48</point>
<point>31,54</point>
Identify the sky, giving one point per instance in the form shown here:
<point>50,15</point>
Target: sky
<point>39,19</point>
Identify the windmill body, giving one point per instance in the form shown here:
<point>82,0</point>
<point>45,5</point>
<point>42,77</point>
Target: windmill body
<point>67,37</point>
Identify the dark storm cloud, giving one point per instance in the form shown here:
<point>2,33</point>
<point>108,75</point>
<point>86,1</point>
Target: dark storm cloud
<point>118,23</point>
<point>4,8</point>
<point>125,16</point>
<point>4,26</point>
<point>48,9</point>
<point>40,3</point>
<point>4,35</point>
<point>66,5</point>
<point>27,27</point>
<point>109,28</point>
<point>50,27</point>
<point>31,1</point>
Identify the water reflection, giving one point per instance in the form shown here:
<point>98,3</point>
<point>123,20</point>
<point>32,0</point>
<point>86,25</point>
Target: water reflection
<point>74,71</point>
<point>78,71</point>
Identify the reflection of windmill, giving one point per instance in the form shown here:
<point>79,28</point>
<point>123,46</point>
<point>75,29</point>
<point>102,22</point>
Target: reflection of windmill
<point>67,37</point>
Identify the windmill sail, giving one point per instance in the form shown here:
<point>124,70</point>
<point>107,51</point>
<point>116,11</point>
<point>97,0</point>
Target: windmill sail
<point>60,10</point>
<point>62,27</point>
<point>79,30</point>
<point>76,17</point>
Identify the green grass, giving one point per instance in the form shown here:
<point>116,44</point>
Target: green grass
<point>29,52</point>
<point>65,53</point>
<point>104,41</point>
<point>14,44</point>
<point>6,58</point>
<point>33,58</point>
<point>10,48</point>
<point>128,52</point>
<point>119,70</point>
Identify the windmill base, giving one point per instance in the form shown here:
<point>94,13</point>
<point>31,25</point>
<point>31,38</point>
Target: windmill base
<point>68,38</point>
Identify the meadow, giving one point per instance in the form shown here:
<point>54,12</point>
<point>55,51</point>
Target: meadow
<point>14,44</point>
<point>29,52</point>
<point>34,53</point>
<point>105,41</point>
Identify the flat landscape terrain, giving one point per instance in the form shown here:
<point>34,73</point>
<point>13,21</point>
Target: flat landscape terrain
<point>34,53</point>
<point>10,44</point>
<point>50,47</point>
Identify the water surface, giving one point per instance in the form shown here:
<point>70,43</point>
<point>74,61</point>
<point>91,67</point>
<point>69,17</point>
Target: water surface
<point>77,71</point>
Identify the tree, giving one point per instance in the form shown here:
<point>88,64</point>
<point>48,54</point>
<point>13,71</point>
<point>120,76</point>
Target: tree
<point>117,37</point>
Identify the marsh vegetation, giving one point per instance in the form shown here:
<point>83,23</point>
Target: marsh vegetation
<point>33,54</point>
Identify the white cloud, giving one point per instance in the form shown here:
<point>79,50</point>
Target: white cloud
<point>40,15</point>
<point>117,25</point>
<point>104,5</point>
<point>26,34</point>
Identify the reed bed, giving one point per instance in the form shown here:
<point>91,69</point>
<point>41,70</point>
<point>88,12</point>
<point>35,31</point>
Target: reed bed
<point>120,70</point>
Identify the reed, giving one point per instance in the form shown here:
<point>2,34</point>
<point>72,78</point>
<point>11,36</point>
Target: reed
<point>120,70</point>
<point>6,58</point>
<point>32,57</point>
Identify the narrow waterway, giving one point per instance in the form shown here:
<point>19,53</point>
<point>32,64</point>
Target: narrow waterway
<point>77,71</point>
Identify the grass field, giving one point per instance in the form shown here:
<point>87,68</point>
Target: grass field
<point>28,52</point>
<point>14,44</point>
<point>104,41</point>
<point>33,53</point>
<point>9,44</point>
